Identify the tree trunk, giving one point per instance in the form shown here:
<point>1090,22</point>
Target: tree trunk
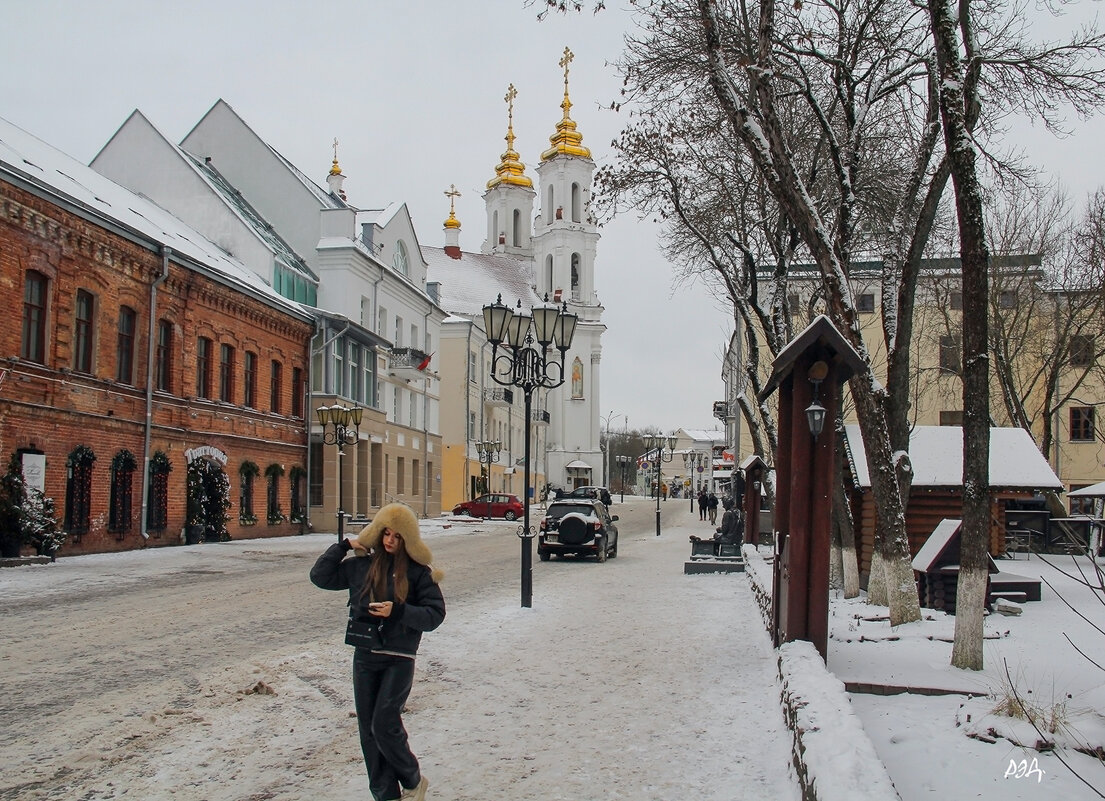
<point>970,598</point>
<point>845,536</point>
<point>876,582</point>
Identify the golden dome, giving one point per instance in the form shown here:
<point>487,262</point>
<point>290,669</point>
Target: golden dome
<point>511,170</point>
<point>567,141</point>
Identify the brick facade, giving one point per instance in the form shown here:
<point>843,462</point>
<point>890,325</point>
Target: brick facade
<point>52,409</point>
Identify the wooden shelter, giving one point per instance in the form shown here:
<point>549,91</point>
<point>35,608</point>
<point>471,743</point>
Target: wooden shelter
<point>1018,471</point>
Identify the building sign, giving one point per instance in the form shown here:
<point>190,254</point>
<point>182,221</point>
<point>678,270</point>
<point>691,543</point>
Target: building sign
<point>34,471</point>
<point>205,451</point>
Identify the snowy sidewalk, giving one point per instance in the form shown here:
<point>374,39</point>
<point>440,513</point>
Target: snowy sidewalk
<point>627,680</point>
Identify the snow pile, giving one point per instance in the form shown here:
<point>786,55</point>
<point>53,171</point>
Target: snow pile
<point>835,757</point>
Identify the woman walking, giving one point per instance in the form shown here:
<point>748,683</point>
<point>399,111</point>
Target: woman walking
<point>393,598</point>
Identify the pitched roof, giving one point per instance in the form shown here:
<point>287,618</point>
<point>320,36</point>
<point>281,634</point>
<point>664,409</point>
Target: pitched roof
<point>936,453</point>
<point>476,279</point>
<point>25,158</point>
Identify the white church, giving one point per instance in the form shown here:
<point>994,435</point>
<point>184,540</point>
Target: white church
<point>527,255</point>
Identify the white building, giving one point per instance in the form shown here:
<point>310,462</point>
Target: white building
<point>362,270</point>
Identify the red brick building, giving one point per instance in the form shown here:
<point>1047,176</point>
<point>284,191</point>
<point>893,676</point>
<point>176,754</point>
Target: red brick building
<point>141,366</point>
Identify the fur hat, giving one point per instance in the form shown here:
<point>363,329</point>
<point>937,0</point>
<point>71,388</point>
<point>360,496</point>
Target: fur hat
<point>399,518</point>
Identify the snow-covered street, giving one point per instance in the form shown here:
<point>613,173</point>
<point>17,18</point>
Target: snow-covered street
<point>626,680</point>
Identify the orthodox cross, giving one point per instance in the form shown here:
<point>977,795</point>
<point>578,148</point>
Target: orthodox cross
<point>511,93</point>
<point>452,194</point>
<point>567,59</point>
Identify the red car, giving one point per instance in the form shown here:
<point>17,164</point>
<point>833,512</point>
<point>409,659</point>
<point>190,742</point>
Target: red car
<point>499,504</point>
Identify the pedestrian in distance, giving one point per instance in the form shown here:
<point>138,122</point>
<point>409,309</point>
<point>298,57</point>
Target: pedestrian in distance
<point>393,598</point>
<point>711,507</point>
<point>702,504</point>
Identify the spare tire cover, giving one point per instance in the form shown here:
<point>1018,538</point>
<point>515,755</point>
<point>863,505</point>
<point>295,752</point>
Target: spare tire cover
<point>574,529</point>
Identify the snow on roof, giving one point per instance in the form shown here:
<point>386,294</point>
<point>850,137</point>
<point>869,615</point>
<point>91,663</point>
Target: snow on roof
<point>29,158</point>
<point>936,453</point>
<point>477,279</point>
<point>701,434</point>
<point>936,543</point>
<point>1092,491</point>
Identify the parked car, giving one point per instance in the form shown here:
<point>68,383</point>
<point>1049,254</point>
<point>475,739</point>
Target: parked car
<point>598,493</point>
<point>500,505</point>
<point>580,527</point>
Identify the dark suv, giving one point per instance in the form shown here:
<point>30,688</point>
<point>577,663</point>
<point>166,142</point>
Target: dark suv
<point>598,493</point>
<point>580,526</point>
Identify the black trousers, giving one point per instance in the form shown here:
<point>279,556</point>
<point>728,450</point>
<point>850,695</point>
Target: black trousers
<point>381,685</point>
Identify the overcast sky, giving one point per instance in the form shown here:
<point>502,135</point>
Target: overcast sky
<point>413,90</point>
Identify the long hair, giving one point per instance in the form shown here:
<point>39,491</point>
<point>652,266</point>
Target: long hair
<point>383,563</point>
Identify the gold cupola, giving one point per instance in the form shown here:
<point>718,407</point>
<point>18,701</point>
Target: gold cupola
<point>511,170</point>
<point>567,141</point>
<point>336,178</point>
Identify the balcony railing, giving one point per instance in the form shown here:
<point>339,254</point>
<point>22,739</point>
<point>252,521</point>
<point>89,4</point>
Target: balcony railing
<point>540,417</point>
<point>408,363</point>
<point>498,396</point>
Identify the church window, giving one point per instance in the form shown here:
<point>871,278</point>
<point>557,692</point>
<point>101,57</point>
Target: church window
<point>575,276</point>
<point>494,228</point>
<point>577,203</point>
<point>577,378</point>
<point>548,274</point>
<point>399,261</point>
<point>549,206</point>
<point>517,229</point>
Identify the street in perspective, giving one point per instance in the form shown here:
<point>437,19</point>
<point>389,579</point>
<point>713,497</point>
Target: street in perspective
<point>217,672</point>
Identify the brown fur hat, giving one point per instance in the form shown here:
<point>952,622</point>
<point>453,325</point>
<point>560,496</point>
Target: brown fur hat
<point>399,518</point>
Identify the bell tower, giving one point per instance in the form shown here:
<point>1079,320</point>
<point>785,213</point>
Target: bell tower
<point>565,239</point>
<point>509,198</point>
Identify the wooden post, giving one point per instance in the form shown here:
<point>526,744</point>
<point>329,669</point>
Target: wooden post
<point>817,361</point>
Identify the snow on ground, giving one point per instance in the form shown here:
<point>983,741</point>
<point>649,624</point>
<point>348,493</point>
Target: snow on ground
<point>643,683</point>
<point>925,741</point>
<point>628,680</point>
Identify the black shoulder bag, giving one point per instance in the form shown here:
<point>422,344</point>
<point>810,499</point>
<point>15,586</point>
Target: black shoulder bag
<point>362,634</point>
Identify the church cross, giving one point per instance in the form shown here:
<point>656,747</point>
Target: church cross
<point>452,194</point>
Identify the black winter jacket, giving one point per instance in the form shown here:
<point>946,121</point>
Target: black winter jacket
<point>401,631</point>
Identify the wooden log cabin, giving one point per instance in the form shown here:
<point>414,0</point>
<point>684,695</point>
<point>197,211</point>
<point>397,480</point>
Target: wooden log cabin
<point>1018,471</point>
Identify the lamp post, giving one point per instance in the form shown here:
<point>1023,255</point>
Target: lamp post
<point>693,461</point>
<point>657,442</point>
<point>489,451</point>
<point>524,361</point>
<point>340,426</point>
<point>623,460</point>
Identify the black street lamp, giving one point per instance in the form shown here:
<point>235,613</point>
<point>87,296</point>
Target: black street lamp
<point>694,461</point>
<point>489,452</point>
<point>340,426</point>
<point>657,442</point>
<point>524,362</point>
<point>623,460</point>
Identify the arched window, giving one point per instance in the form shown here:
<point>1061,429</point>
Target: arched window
<point>34,317</point>
<point>575,275</point>
<point>247,473</point>
<point>273,511</point>
<point>494,229</point>
<point>548,274</point>
<point>577,203</point>
<point>517,229</point>
<point>78,490</point>
<point>577,378</point>
<point>157,510</point>
<point>549,206</point>
<point>400,261</point>
<point>120,519</point>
